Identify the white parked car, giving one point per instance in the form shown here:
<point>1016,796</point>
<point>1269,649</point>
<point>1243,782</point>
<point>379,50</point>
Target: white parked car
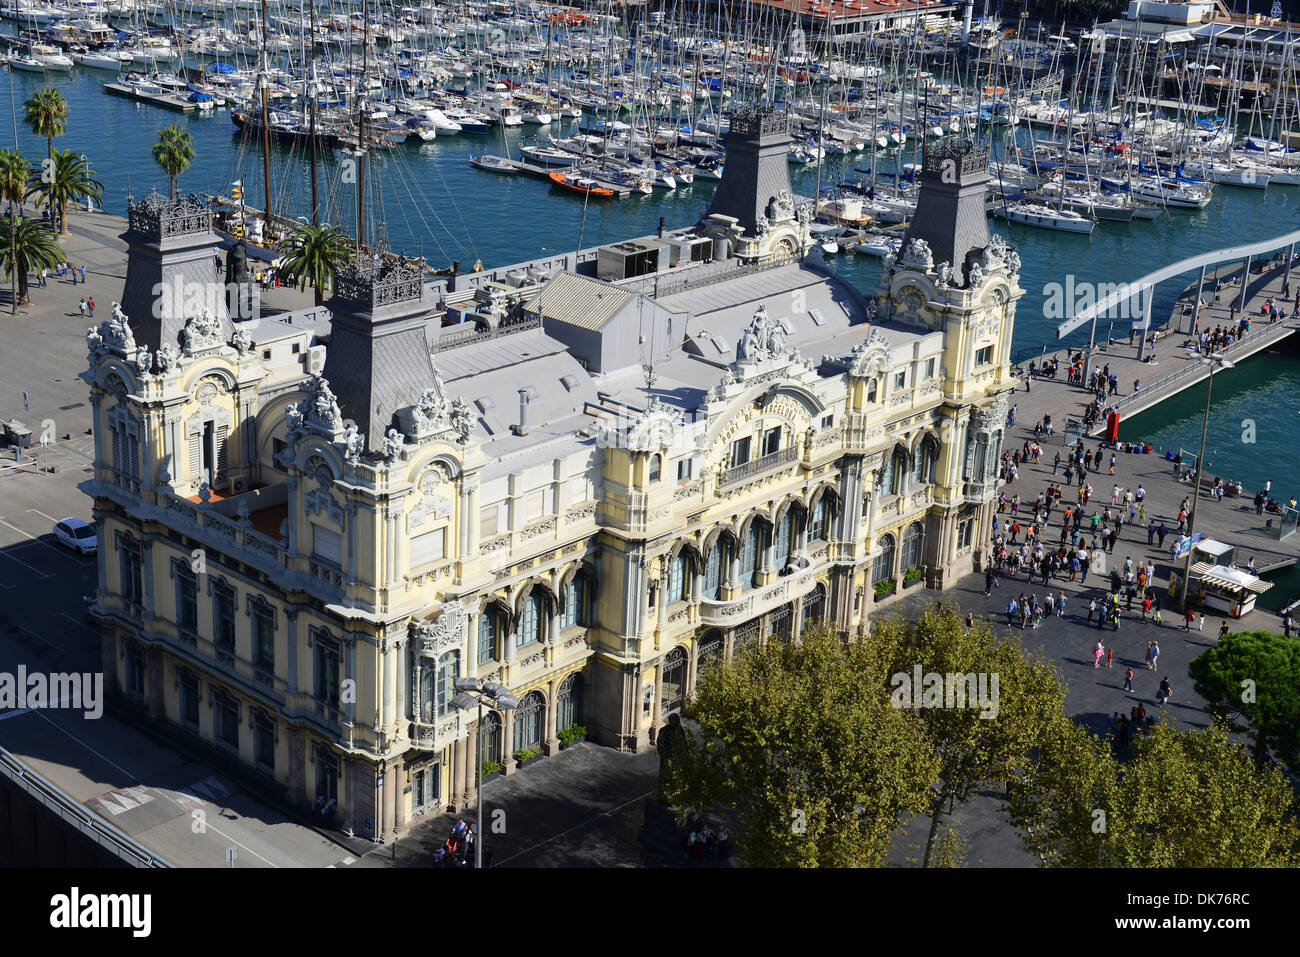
<point>77,533</point>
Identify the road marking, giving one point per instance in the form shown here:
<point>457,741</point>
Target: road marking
<point>208,826</point>
<point>86,746</point>
<point>43,515</point>
<point>80,624</point>
<point>33,537</point>
<point>574,828</point>
<point>44,641</point>
<point>39,574</point>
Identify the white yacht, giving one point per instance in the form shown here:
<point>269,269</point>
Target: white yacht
<point>1048,217</point>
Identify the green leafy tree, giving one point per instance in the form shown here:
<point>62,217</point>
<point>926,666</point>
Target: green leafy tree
<point>802,746</point>
<point>60,183</point>
<point>13,190</point>
<point>1186,799</point>
<point>27,244</point>
<point>47,115</point>
<point>1258,674</point>
<point>316,253</point>
<point>174,152</point>
<point>973,747</point>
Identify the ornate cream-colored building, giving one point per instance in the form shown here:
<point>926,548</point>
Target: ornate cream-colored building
<point>589,478</point>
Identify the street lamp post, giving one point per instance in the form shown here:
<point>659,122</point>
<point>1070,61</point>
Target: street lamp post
<point>1216,361</point>
<point>470,694</point>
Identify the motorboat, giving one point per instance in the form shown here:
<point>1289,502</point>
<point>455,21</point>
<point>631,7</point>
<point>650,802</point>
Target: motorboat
<point>578,183</point>
<point>1048,217</point>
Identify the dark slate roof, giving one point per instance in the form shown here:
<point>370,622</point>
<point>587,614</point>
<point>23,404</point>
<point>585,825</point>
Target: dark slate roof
<point>950,213</point>
<point>756,169</point>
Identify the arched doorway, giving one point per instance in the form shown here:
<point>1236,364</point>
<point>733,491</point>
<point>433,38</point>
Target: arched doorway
<point>568,702</point>
<point>780,622</point>
<point>710,654</point>
<point>528,721</point>
<point>674,682</point>
<point>814,605</point>
<point>489,740</point>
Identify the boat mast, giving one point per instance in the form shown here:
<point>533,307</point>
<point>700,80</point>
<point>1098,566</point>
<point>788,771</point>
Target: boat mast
<point>361,126</point>
<point>313,93</point>
<point>266,136</point>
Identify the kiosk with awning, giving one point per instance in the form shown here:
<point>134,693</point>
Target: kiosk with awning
<point>1226,589</point>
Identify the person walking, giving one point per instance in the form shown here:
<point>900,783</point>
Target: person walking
<point>83,274</point>
<point>1155,655</point>
<point>90,305</point>
<point>1128,680</point>
<point>82,306</point>
<point>1110,658</point>
<point>1201,624</point>
<point>45,274</point>
<point>1187,620</point>
<point>1092,610</point>
<point>1097,653</point>
<point>1166,689</point>
<point>1148,658</point>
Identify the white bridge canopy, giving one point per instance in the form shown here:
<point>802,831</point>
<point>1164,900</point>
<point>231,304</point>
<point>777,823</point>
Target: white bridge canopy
<point>1213,258</point>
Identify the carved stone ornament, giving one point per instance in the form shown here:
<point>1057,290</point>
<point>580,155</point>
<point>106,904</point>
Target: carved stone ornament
<point>201,332</point>
<point>114,334</point>
<point>918,254</point>
<point>320,408</point>
<point>165,359</point>
<point>781,207</point>
<point>992,417</point>
<point>461,418</point>
<point>432,638</point>
<point>394,443</point>
<point>870,356</point>
<point>353,445</point>
<point>944,279</point>
<point>241,340</point>
<point>656,428</point>
<point>763,339</point>
<point>143,360</point>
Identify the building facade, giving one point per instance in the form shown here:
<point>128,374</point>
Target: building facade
<point>590,479</point>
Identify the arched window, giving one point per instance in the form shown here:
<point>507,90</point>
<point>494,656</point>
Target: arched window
<point>821,520</point>
<point>577,597</point>
<point>656,467</point>
<point>490,627</point>
<point>922,464</point>
<point>715,568</point>
<point>710,654</point>
<point>448,672</point>
<point>785,540</point>
<point>913,539</point>
<point>428,692</point>
<point>530,621</point>
<point>528,721</point>
<point>568,702</point>
<point>883,565</point>
<point>897,478</point>
<point>750,553</point>
<point>814,606</point>
<point>980,467</point>
<point>871,391</point>
<point>674,681</point>
<point>489,742</point>
<point>679,578</point>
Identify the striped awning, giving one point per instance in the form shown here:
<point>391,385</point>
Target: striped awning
<point>1233,579</point>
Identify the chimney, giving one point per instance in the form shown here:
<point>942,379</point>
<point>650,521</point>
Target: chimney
<point>522,427</point>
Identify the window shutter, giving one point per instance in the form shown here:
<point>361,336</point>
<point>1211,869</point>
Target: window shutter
<point>221,432</point>
<point>196,457</point>
<point>428,547</point>
<point>117,448</point>
<point>327,544</point>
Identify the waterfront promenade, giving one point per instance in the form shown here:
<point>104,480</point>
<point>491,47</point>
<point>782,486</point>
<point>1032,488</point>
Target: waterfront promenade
<point>1176,367</point>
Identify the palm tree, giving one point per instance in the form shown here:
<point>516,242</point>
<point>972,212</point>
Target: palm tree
<point>316,253</point>
<point>174,152</point>
<point>27,244</point>
<point>47,115</point>
<point>68,177</point>
<point>13,189</point>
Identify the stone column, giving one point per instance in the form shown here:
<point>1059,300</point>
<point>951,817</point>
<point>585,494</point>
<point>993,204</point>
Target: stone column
<point>508,740</point>
<point>456,753</point>
<point>551,744</point>
<point>297,767</point>
<point>656,719</point>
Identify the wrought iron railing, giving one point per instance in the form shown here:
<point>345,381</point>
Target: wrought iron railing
<point>457,339</point>
<point>759,466</point>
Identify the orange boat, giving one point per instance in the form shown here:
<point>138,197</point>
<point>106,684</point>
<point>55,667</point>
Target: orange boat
<point>579,184</point>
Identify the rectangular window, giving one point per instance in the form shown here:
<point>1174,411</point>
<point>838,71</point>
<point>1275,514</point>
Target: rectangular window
<point>134,671</point>
<point>417,789</point>
<point>828,420</point>
<point>772,441</point>
<point>327,545</point>
<point>490,523</point>
<point>187,604</point>
<point>685,469</point>
<point>740,451</point>
<point>129,566</point>
<point>223,616</point>
<point>262,617</point>
<point>929,368</point>
<point>227,713</point>
<point>189,700</point>
<point>984,356</point>
<point>900,380</point>
<point>428,547</point>
<point>327,671</point>
<point>264,743</point>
